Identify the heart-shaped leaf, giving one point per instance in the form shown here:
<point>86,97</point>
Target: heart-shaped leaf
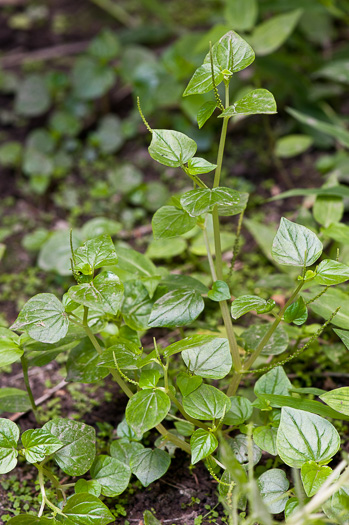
<point>146,409</point>
<point>9,435</point>
<point>171,148</point>
<point>103,294</point>
<point>43,317</point>
<point>207,403</point>
<point>295,245</point>
<point>149,465</point>
<point>203,444</point>
<point>38,444</point>
<point>112,475</point>
<point>79,450</point>
<point>177,308</point>
<point>256,102</point>
<point>170,221</point>
<point>303,436</point>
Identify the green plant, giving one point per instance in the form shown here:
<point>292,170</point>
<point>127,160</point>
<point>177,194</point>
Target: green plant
<point>120,293</point>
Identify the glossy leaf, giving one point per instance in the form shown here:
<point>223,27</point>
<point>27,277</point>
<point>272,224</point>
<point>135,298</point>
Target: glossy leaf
<point>313,476</point>
<point>308,405</point>
<point>79,450</point>
<point>331,272</point>
<point>256,102</point>
<point>295,245</point>
<point>246,303</point>
<point>272,33</point>
<point>277,343</point>
<point>187,384</point>
<point>303,436</point>
<point>174,281</point>
<point>206,403</point>
<point>210,358</point>
<point>273,486</point>
<point>94,254</point>
<point>85,509</point>
<point>201,81</point>
<point>43,317</point>
<point>220,292</point>
<point>338,399</point>
<point>9,435</point>
<point>170,221</point>
<point>203,200</point>
<point>171,148</point>
<point>125,352</point>
<point>103,294</point>
<point>203,444</point>
<point>149,378</point>
<point>38,444</point>
<point>112,475</point>
<point>273,382</point>
<point>177,308</point>
<point>135,263</point>
<point>231,53</point>
<point>82,364</point>
<point>265,439</point>
<point>146,409</point>
<point>297,312</point>
<point>239,412</point>
<point>205,112</point>
<point>197,165</point>
<point>149,465</point>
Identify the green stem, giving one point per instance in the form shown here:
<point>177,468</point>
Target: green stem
<point>218,273</point>
<point>45,501</point>
<point>24,363</point>
<point>217,174</point>
<point>209,255</point>
<point>272,329</point>
<point>234,384</point>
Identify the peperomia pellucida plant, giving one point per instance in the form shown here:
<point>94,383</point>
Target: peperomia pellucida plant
<point>120,294</point>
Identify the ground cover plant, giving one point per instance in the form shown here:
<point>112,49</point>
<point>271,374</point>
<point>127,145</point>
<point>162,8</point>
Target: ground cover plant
<point>187,391</point>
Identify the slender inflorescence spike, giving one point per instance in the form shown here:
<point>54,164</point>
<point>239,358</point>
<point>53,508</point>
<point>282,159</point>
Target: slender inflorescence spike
<point>236,247</point>
<point>72,248</point>
<point>317,296</point>
<point>121,372</point>
<point>216,94</point>
<point>297,352</point>
<point>142,116</point>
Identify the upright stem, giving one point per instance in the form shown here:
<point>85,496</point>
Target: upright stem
<point>217,273</point>
<point>24,363</point>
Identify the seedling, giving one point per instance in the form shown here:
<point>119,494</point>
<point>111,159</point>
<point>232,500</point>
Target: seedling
<point>120,293</point>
